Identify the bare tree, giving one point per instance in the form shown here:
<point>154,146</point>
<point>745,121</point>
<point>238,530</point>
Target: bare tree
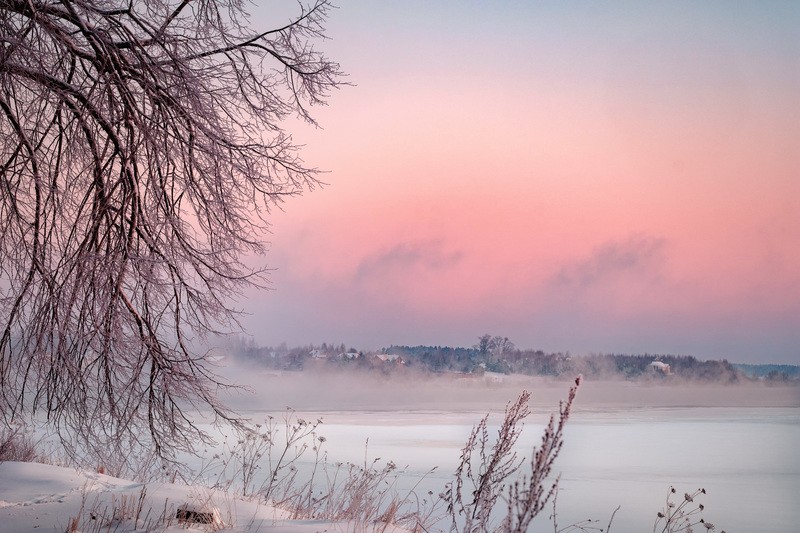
<point>500,346</point>
<point>141,146</point>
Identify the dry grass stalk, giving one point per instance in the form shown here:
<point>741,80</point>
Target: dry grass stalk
<point>483,474</point>
<point>16,444</point>
<point>584,526</point>
<point>684,516</point>
<point>262,462</point>
<point>125,512</point>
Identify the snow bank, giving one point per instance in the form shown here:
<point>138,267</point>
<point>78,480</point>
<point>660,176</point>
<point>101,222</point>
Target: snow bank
<point>39,497</point>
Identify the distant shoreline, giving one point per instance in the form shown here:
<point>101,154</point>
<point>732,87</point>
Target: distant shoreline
<point>365,391</point>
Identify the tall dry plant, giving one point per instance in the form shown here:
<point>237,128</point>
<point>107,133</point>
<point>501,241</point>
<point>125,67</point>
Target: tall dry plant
<point>487,472</point>
<point>142,144</point>
<point>684,515</point>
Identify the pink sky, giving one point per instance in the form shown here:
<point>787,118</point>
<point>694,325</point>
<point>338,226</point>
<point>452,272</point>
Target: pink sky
<point>589,179</point>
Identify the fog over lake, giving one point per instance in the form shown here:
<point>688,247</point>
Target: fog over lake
<point>625,444</point>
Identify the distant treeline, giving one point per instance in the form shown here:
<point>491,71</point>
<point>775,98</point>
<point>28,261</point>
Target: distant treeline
<point>771,372</point>
<point>499,355</point>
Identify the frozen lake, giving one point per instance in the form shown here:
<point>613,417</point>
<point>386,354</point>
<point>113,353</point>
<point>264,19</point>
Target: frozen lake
<point>746,459</point>
<point>741,444</point>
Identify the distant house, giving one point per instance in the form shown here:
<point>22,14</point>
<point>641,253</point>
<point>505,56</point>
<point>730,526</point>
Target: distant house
<point>660,368</point>
<point>392,357</point>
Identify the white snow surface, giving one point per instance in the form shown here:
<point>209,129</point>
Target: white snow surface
<point>37,497</point>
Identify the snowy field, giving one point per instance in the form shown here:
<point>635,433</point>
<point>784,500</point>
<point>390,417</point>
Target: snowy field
<point>625,444</point>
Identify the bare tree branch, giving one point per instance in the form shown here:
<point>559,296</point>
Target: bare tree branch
<point>141,146</point>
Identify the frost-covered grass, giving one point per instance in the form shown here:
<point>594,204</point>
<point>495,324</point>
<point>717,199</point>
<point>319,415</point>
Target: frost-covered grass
<point>16,444</point>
